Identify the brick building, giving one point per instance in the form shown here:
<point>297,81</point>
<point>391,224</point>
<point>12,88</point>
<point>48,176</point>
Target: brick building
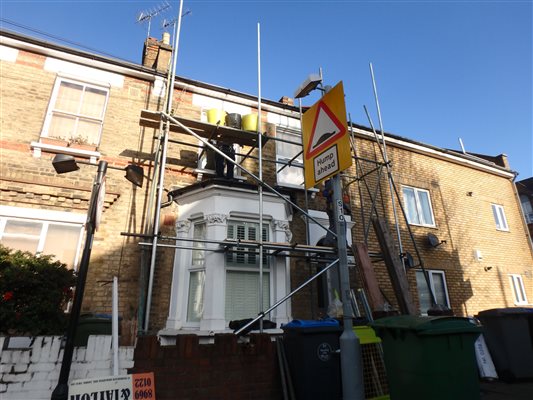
<point>462,209</point>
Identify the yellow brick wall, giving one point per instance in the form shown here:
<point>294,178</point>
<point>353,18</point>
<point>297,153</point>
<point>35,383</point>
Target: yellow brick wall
<point>465,222</point>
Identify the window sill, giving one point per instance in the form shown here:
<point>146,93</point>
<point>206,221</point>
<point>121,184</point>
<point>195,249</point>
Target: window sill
<point>39,147</point>
<point>423,226</point>
<point>167,337</point>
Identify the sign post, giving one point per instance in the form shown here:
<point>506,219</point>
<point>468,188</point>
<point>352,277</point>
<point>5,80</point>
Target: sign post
<point>326,154</point>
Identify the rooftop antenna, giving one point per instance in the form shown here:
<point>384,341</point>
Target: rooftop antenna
<point>151,13</point>
<point>170,22</point>
<point>462,145</point>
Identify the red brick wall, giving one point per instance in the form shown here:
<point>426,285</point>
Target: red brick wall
<point>225,370</point>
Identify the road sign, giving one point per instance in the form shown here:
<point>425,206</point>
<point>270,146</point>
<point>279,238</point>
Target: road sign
<point>325,137</point>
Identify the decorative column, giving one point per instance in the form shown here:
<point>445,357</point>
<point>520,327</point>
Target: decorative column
<point>178,293</point>
<point>213,318</point>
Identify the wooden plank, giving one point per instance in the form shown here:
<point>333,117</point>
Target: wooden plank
<point>370,281</point>
<point>151,119</point>
<point>395,268</point>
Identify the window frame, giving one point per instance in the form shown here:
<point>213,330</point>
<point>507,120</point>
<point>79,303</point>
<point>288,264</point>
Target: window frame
<point>51,110</point>
<point>498,212</point>
<point>194,321</point>
<point>432,272</point>
<point>518,288</point>
<point>297,164</point>
<point>418,205</point>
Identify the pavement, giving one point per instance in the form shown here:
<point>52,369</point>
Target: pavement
<point>498,390</point>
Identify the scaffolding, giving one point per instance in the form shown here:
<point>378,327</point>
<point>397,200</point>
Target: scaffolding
<point>181,129</point>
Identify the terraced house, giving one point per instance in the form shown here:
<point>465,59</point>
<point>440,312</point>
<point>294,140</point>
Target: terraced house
<point>231,241</point>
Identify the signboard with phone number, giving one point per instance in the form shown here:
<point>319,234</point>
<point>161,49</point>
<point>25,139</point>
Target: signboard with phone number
<point>122,387</point>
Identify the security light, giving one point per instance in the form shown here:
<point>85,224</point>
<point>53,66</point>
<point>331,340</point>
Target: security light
<point>64,163</point>
<point>307,86</point>
<point>135,175</point>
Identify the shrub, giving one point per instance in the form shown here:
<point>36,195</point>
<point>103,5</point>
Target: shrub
<point>34,292</point>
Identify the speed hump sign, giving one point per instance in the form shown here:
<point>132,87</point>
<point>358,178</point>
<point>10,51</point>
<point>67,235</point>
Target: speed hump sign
<point>325,137</point>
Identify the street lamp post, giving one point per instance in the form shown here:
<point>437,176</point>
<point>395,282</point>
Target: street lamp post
<point>63,163</point>
<point>61,390</point>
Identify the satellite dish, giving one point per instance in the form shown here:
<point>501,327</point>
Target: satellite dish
<point>408,260</point>
<point>434,240</point>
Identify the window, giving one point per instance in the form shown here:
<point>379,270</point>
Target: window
<point>518,289</point>
<point>418,206</point>
<point>437,282</point>
<point>195,303</point>
<point>242,273</point>
<point>76,111</point>
<point>289,146</point>
<point>40,235</point>
<point>527,208</point>
<point>499,217</point>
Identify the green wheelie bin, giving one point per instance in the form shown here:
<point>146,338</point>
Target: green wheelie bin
<point>430,357</point>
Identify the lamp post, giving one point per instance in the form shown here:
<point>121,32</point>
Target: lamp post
<point>350,347</point>
<point>63,164</point>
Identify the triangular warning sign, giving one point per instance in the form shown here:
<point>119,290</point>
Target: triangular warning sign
<point>326,130</point>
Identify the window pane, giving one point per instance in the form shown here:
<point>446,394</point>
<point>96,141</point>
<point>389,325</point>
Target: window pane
<point>88,132</point>
<point>423,292</point>
<point>21,227</point>
<point>195,307</point>
<point>93,103</point>
<point>198,256</point>
<point>503,221</point>
<point>426,208</point>
<point>62,126</point>
<point>289,175</point>
<point>62,242</point>
<point>68,97</point>
<point>496,216</point>
<point>20,243</point>
<point>439,288</point>
<point>410,206</point>
<point>242,290</point>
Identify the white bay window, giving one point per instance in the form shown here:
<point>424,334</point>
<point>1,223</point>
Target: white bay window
<point>214,283</point>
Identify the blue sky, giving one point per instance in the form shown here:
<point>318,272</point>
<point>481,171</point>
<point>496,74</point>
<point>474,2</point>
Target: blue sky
<point>444,69</point>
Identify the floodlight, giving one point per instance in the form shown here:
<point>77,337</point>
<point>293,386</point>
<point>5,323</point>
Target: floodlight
<point>135,175</point>
<point>64,163</point>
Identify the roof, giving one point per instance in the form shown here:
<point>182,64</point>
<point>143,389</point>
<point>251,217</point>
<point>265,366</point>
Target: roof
<point>470,159</point>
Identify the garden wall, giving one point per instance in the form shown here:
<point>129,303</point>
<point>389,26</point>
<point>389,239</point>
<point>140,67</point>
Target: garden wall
<point>223,370</point>
<point>31,373</point>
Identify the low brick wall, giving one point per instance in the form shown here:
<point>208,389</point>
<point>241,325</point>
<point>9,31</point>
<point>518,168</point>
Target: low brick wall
<point>31,373</point>
<point>223,370</point>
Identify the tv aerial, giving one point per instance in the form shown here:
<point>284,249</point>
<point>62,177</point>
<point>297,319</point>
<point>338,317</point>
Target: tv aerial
<point>151,13</point>
<point>170,22</point>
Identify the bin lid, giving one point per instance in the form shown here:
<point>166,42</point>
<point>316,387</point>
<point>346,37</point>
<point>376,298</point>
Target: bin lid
<point>427,325</point>
<point>494,312</point>
<point>302,323</point>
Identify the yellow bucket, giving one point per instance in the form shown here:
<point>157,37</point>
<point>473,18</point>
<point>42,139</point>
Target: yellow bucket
<point>249,122</point>
<point>216,116</point>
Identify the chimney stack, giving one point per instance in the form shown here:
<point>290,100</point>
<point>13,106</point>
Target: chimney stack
<point>157,54</point>
<point>287,101</point>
